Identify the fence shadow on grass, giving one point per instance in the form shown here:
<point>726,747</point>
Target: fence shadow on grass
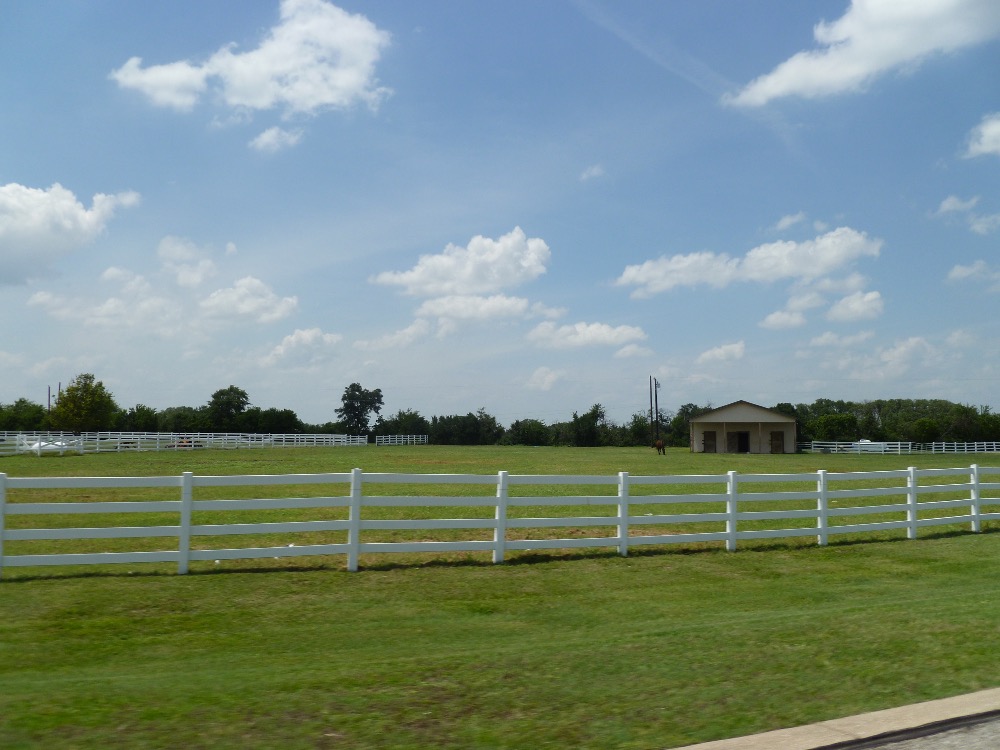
<point>514,560</point>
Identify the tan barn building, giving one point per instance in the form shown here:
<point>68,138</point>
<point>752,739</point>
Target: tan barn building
<point>742,427</point>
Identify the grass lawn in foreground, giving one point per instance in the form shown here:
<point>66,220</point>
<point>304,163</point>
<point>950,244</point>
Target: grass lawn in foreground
<point>584,650</point>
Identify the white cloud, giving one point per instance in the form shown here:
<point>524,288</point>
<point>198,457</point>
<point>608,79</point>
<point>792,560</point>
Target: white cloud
<point>900,357</point>
<point>470,307</point>
<point>592,172</point>
<point>724,353</point>
<point>803,261</point>
<point>985,137</point>
<point>831,339</point>
<point>954,204</point>
<point>415,331</point>
<point>857,306</point>
<point>960,339</point>
<point>980,270</point>
<point>482,267</point>
<point>177,85</point>
<point>39,227</point>
<point>248,297</point>
<point>543,379</point>
<point>276,139</point>
<point>548,335</point>
<point>307,343</point>
<point>870,39</point>
<point>633,350</point>
<point>784,319</point>
<point>181,259</point>
<point>978,223</point>
<point>785,222</point>
<point>985,223</point>
<point>318,56</point>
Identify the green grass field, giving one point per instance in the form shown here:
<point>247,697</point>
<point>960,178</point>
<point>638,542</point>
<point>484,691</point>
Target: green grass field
<point>574,649</point>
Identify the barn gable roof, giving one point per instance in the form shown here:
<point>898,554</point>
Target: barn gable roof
<point>743,411</point>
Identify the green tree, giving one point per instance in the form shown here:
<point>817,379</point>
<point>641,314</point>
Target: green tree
<point>924,430</point>
<point>182,419</point>
<point>22,415</point>
<point>405,422</point>
<point>84,405</point>
<point>226,408</point>
<point>140,418</point>
<point>835,427</point>
<point>527,432</point>
<point>585,427</point>
<point>357,406</point>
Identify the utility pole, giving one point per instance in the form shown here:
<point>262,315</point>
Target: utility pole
<point>656,398</point>
<point>654,409</point>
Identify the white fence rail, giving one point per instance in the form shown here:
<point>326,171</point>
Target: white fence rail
<point>874,446</point>
<point>401,439</point>
<point>722,508</point>
<point>40,443</point>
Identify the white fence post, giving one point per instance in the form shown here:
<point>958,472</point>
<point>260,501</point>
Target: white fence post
<point>3,511</point>
<point>974,495</point>
<point>500,530</point>
<point>354,522</point>
<point>623,513</point>
<point>184,537</point>
<point>911,503</point>
<point>822,504</point>
<point>732,489</point>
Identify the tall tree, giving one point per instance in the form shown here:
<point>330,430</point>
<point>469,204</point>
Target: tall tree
<point>357,406</point>
<point>226,408</point>
<point>22,415</point>
<point>84,405</point>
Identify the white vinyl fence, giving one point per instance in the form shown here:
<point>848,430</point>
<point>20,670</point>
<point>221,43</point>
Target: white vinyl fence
<point>874,446</point>
<point>633,511</point>
<point>401,439</point>
<point>40,443</point>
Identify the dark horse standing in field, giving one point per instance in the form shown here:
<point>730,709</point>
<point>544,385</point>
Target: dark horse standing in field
<point>660,450</point>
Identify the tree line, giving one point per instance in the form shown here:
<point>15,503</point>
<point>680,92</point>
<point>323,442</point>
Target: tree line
<point>86,405</point>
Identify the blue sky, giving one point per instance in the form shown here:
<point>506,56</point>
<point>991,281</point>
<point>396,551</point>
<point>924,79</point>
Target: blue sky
<point>528,207</point>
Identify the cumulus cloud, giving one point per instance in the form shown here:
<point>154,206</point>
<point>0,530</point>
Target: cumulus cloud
<point>303,344</point>
<point>857,306</point>
<point>248,297</point>
<point>724,353</point>
<point>551,336</point>
<point>872,38</point>
<point>402,338</point>
<point>543,379</point>
<point>784,319</point>
<point>954,204</point>
<point>831,339</point>
<point>977,222</point>
<point>317,57</point>
<point>182,259</point>
<point>980,270</point>
<point>785,222</point>
<point>276,139</point>
<point>985,137</point>
<point>38,227</point>
<point>591,173</point>
<point>484,266</point>
<point>775,261</point>
<point>633,350</point>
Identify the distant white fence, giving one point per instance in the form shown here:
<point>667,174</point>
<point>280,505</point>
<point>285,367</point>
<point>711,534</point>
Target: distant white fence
<point>875,446</point>
<point>41,443</point>
<point>984,447</point>
<point>401,440</point>
<point>729,509</point>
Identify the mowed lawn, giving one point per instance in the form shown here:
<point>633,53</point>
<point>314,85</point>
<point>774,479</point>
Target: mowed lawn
<point>574,649</point>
